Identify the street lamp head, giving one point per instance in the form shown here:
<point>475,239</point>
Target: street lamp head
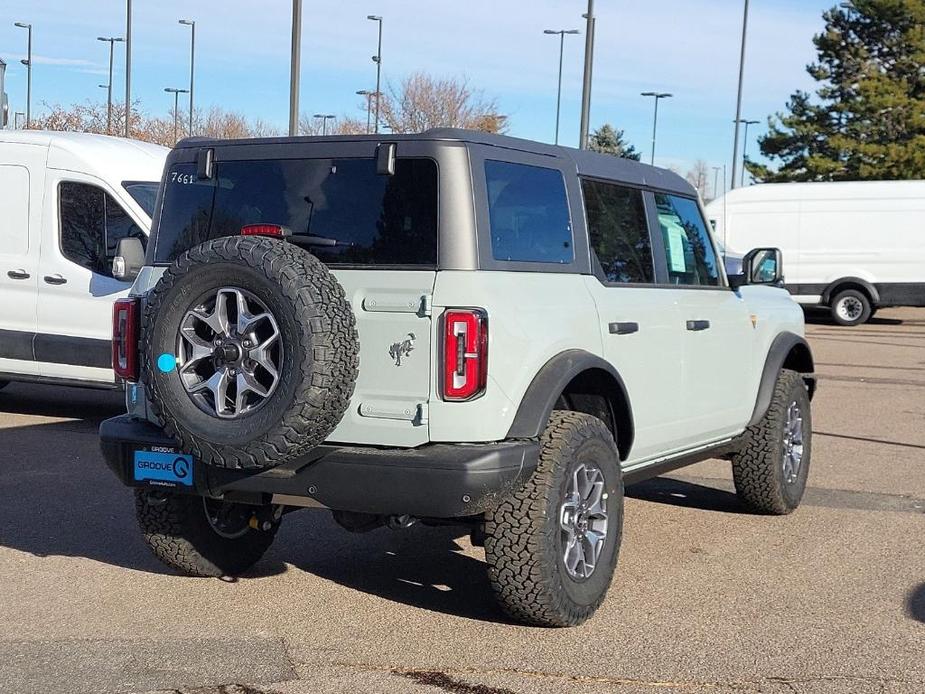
<point>364,92</point>
<point>374,17</point>
<point>187,22</point>
<point>22,25</point>
<point>103,86</point>
<point>556,32</point>
<point>173,90</point>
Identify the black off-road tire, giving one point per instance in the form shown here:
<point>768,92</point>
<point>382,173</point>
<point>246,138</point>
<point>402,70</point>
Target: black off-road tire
<point>320,351</point>
<point>523,544</point>
<point>175,528</point>
<point>851,295</point>
<point>757,468</point>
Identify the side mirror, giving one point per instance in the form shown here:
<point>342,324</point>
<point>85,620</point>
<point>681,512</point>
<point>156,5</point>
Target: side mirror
<point>130,258</point>
<point>760,266</point>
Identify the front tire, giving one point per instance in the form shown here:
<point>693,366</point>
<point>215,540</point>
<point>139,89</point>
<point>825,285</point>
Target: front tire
<point>552,547</point>
<point>851,307</point>
<point>201,537</point>
<point>771,468</point>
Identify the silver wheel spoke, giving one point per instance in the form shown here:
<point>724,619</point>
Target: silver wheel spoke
<point>583,521</point>
<point>230,353</point>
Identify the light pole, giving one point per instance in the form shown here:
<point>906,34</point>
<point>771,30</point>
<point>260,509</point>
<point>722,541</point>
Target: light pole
<point>657,96</point>
<point>561,33</point>
<point>324,121</point>
<point>28,63</point>
<point>16,119</point>
<point>128,68</point>
<point>112,42</point>
<point>738,119</point>
<point>716,181</point>
<point>369,105</point>
<point>378,60</point>
<point>586,80</point>
<point>746,123</point>
<point>294,67</point>
<point>176,106</point>
<point>192,66</point>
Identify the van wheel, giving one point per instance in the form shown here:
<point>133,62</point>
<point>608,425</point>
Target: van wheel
<point>851,307</point>
<point>552,547</point>
<point>771,468</point>
<point>202,537</point>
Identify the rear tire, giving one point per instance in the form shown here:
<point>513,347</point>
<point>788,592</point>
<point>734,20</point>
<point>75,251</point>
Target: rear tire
<point>534,575</point>
<point>851,307</point>
<point>771,468</point>
<point>177,529</point>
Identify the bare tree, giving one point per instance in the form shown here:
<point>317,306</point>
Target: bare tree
<point>421,102</point>
<point>91,118</point>
<point>699,176</point>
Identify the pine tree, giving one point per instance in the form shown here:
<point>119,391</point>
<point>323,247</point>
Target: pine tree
<point>867,120</point>
<point>608,140</point>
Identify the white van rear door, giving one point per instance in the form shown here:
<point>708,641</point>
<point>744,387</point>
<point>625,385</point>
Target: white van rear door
<point>20,220</point>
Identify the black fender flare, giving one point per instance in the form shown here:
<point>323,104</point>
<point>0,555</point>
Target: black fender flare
<point>833,287</point>
<point>782,347</point>
<point>548,385</point>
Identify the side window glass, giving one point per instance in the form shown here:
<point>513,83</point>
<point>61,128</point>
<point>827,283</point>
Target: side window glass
<point>619,232</point>
<point>528,211</point>
<point>82,210</point>
<point>688,248</point>
<point>119,226</point>
<point>91,225</point>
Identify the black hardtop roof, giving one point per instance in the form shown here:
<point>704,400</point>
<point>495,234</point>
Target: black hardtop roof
<point>592,164</point>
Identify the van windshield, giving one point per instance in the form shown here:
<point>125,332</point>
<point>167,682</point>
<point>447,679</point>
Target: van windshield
<point>339,209</point>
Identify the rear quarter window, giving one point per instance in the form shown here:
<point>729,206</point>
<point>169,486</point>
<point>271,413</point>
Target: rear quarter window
<point>528,213</point>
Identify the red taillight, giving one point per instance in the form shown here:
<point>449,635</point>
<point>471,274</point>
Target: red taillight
<point>274,230</point>
<point>125,339</point>
<point>465,353</point>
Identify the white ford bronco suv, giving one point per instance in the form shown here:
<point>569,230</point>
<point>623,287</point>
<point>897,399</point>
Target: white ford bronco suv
<point>444,327</point>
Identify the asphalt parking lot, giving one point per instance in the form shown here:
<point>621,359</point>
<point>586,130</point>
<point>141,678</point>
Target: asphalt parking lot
<point>706,596</point>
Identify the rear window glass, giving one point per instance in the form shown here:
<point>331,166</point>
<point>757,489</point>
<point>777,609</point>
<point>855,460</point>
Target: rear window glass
<point>528,212</point>
<point>339,209</point>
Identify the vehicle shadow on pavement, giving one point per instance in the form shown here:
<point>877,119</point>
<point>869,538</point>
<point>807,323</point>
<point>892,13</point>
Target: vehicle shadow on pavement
<point>429,568</point>
<point>915,603</point>
<point>667,490</point>
<point>823,317</point>
<point>57,497</point>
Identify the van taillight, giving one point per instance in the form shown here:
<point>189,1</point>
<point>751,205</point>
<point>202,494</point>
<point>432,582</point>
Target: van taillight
<point>125,339</point>
<point>465,353</point>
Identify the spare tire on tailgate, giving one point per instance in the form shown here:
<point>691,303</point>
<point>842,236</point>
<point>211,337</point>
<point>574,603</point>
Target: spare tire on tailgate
<point>250,351</point>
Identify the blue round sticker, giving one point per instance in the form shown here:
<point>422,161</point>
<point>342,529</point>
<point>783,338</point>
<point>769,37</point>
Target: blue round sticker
<point>166,362</point>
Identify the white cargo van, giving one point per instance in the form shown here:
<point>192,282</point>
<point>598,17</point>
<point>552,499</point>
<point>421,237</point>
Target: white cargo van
<point>853,247</point>
<point>69,204</point>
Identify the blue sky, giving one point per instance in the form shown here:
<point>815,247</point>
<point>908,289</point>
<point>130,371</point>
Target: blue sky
<point>688,47</point>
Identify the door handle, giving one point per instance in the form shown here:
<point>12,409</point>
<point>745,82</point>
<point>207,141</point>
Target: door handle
<point>19,274</point>
<point>696,325</point>
<point>55,279</point>
<point>623,328</point>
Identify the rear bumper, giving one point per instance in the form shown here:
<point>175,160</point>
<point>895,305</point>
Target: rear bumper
<point>435,480</point>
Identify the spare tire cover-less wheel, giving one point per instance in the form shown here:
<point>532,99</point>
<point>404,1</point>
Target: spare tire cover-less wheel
<point>265,347</point>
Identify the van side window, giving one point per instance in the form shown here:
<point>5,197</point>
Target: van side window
<point>619,232</point>
<point>91,225</point>
<point>529,215</point>
<point>688,248</point>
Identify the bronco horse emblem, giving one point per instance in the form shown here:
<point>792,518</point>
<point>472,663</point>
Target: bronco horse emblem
<point>402,349</point>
